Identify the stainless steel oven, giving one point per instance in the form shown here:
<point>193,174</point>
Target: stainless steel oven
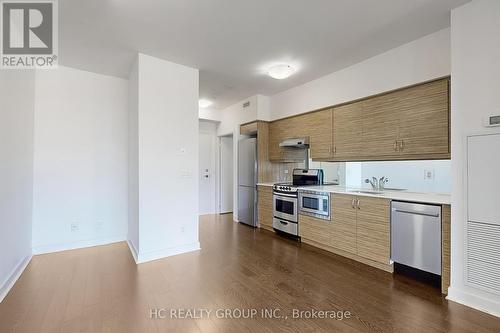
<point>316,204</point>
<point>285,206</point>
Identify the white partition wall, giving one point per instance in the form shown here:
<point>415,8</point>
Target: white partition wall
<point>164,182</point>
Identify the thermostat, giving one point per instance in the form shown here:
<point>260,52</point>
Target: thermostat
<point>491,121</point>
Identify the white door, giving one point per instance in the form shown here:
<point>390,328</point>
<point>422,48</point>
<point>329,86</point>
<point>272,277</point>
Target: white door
<point>206,173</point>
<point>226,174</point>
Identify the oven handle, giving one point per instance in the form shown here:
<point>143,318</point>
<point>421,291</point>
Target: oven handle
<point>285,195</point>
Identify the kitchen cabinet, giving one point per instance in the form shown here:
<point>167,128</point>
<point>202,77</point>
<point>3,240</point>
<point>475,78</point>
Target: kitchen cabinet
<point>361,226</point>
<point>278,131</point>
<point>249,128</point>
<point>347,131</point>
<point>316,230</point>
<point>317,126</point>
<point>265,207</point>
<point>424,121</point>
<point>343,229</point>
<point>380,126</point>
<point>373,237</point>
<point>410,123</point>
<point>445,248</point>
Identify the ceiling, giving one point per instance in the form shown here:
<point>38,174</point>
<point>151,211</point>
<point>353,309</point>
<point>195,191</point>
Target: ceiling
<point>233,42</point>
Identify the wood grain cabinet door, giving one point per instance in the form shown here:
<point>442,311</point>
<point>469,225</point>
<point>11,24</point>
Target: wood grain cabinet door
<point>380,127</point>
<point>373,229</point>
<point>347,132</point>
<point>343,227</point>
<point>274,139</point>
<point>265,207</point>
<point>318,127</point>
<point>316,230</point>
<point>424,120</point>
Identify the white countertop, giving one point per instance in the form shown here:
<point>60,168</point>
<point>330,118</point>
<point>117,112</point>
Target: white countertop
<point>432,198</point>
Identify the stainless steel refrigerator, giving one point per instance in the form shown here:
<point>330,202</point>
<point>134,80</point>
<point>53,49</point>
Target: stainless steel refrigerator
<point>247,181</point>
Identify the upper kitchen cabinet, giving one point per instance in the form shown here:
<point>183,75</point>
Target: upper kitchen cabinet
<point>280,130</point>
<point>410,123</point>
<point>380,126</point>
<point>424,122</point>
<point>317,126</point>
<point>347,131</point>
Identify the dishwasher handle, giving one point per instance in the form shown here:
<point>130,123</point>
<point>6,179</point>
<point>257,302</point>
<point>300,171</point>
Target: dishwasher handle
<point>414,213</point>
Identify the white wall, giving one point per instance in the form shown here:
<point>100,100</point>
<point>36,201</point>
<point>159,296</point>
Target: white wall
<point>475,58</point>
<point>80,159</point>
<point>17,98</point>
<point>421,60</point>
<point>133,157</point>
<point>233,116</point>
<point>168,158</point>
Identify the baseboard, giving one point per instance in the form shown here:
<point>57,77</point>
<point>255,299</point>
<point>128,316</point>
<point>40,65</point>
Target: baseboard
<point>163,253</point>
<point>133,250</point>
<point>42,249</point>
<point>13,277</point>
<point>474,301</point>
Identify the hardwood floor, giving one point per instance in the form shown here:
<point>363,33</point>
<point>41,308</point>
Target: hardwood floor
<point>100,289</point>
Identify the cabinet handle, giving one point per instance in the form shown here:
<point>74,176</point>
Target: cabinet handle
<point>402,145</point>
<point>396,145</point>
<point>334,149</point>
<point>358,204</point>
<point>352,203</point>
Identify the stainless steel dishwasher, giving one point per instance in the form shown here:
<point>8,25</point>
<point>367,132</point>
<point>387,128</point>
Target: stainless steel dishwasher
<point>416,236</point>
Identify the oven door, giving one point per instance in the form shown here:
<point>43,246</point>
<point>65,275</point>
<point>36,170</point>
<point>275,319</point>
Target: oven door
<point>285,206</point>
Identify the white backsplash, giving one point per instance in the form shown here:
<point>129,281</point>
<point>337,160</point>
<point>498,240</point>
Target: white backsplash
<point>432,176</point>
<point>418,176</point>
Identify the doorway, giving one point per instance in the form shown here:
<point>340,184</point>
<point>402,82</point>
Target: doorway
<point>226,174</point>
<point>207,165</point>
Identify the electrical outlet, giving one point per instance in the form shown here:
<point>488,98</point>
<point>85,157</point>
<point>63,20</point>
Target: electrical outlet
<point>183,229</point>
<point>286,171</point>
<point>75,226</point>
<point>428,174</point>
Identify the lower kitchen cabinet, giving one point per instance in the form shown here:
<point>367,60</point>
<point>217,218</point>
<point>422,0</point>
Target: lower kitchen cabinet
<point>445,248</point>
<point>343,212</point>
<point>373,229</point>
<point>265,207</point>
<point>316,230</point>
<point>359,229</point>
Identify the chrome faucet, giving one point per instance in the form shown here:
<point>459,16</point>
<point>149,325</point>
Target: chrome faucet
<point>382,181</point>
<point>373,183</point>
<point>377,184</point>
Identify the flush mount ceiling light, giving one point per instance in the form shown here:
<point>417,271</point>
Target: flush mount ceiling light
<point>281,71</point>
<point>204,103</point>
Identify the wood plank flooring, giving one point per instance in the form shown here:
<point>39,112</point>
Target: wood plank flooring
<point>100,289</point>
